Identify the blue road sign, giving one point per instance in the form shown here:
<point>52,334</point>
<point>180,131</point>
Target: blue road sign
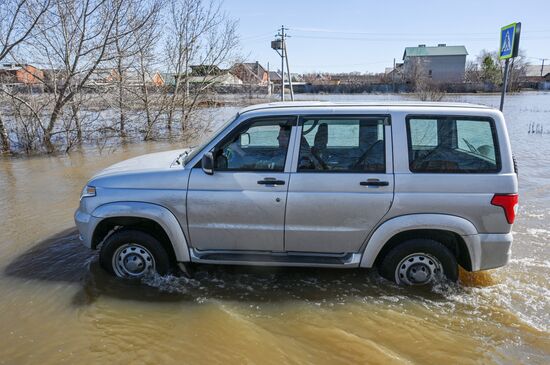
<point>507,39</point>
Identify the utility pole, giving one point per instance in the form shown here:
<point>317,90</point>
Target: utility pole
<point>280,44</point>
<point>393,76</point>
<point>282,36</point>
<point>542,67</point>
<point>268,81</point>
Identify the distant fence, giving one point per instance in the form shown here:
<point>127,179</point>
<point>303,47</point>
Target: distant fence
<point>262,90</point>
<point>351,88</point>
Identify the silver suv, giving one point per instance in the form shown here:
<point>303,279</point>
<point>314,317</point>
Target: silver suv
<point>414,189</point>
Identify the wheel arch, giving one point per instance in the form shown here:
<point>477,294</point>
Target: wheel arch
<point>456,233</point>
<point>151,218</point>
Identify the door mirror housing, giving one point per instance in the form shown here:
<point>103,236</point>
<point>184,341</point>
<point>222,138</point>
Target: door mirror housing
<point>208,163</point>
<point>244,139</point>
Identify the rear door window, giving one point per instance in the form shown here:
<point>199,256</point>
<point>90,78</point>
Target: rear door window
<point>446,144</point>
<point>346,144</point>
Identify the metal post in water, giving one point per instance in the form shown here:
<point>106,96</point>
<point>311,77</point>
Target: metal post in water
<point>504,84</point>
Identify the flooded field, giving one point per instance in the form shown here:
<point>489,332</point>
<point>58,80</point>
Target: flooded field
<point>57,306</point>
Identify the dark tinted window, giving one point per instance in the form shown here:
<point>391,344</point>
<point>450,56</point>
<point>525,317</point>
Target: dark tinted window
<point>258,146</point>
<point>452,145</point>
<point>342,145</point>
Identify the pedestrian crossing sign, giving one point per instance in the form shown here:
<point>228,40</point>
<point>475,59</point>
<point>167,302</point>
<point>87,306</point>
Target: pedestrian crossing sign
<point>509,41</point>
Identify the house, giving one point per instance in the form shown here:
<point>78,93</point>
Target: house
<point>250,73</point>
<point>392,74</point>
<point>296,77</point>
<point>225,78</point>
<point>321,79</point>
<point>205,70</point>
<point>15,73</point>
<point>439,64</point>
<point>537,73</point>
<point>275,77</point>
<point>103,76</point>
<point>157,79</point>
<point>136,79</point>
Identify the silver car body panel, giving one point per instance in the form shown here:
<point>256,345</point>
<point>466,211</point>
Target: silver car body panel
<point>328,210</point>
<point>229,210</point>
<point>396,225</point>
<point>263,258</point>
<point>233,209</point>
<point>154,212</point>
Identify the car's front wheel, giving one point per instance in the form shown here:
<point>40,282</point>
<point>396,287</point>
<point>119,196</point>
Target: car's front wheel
<point>419,262</point>
<point>131,253</point>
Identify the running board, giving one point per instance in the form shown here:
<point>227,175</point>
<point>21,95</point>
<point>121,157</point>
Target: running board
<point>260,258</point>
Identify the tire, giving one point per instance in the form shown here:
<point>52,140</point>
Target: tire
<point>136,252</point>
<point>419,262</point>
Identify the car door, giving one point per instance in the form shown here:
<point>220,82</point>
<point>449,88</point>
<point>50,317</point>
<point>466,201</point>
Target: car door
<point>241,206</point>
<point>342,182</point>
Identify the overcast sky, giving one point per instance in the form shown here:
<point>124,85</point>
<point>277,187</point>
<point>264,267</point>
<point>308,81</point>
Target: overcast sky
<point>366,35</point>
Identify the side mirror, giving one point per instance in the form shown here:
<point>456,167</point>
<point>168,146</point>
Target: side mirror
<point>208,163</point>
<point>244,139</point>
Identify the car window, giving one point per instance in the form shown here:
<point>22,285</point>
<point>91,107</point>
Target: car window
<point>256,146</point>
<point>452,145</point>
<point>330,144</point>
<point>424,132</point>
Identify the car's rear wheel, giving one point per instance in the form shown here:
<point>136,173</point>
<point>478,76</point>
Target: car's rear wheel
<point>419,262</point>
<point>133,254</point>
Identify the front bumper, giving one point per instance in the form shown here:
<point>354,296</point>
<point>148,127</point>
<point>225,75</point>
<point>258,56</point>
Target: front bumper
<point>84,223</point>
<point>490,251</point>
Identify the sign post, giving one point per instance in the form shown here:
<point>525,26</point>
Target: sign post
<point>509,47</point>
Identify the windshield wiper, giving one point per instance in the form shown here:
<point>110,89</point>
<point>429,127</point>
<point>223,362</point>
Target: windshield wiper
<point>182,158</point>
<point>470,146</point>
<point>183,155</point>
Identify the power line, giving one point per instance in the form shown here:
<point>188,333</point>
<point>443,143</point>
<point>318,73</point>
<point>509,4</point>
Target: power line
<point>401,39</point>
<point>320,30</point>
<point>342,65</point>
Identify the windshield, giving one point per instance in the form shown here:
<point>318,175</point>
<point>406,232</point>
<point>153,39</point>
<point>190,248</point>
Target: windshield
<point>198,148</point>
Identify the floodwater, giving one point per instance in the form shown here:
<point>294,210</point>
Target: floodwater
<point>57,306</point>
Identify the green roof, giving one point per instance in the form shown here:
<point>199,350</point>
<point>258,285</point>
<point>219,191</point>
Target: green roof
<point>435,51</point>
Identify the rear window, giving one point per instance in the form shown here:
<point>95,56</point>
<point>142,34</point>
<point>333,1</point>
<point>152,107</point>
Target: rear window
<point>449,144</point>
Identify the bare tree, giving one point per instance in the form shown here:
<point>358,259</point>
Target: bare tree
<point>126,50</point>
<point>76,37</point>
<point>151,94</point>
<point>517,71</point>
<point>201,34</point>
<point>471,72</point>
<point>421,82</point>
<point>415,72</point>
<point>107,50</point>
<point>17,22</point>
<point>491,68</point>
<point>4,138</point>
<point>16,25</point>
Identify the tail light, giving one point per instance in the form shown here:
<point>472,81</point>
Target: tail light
<point>509,203</point>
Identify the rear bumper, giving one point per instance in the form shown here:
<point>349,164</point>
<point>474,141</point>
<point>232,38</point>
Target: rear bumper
<point>489,251</point>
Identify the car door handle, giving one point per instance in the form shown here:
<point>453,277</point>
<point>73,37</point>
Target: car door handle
<point>374,183</point>
<point>271,181</point>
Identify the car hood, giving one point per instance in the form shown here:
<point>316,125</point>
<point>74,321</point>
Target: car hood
<point>152,161</point>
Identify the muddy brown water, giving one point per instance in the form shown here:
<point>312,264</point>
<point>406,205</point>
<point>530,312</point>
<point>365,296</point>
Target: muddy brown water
<point>57,306</point>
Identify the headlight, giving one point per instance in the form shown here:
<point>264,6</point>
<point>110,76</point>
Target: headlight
<point>87,192</point>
